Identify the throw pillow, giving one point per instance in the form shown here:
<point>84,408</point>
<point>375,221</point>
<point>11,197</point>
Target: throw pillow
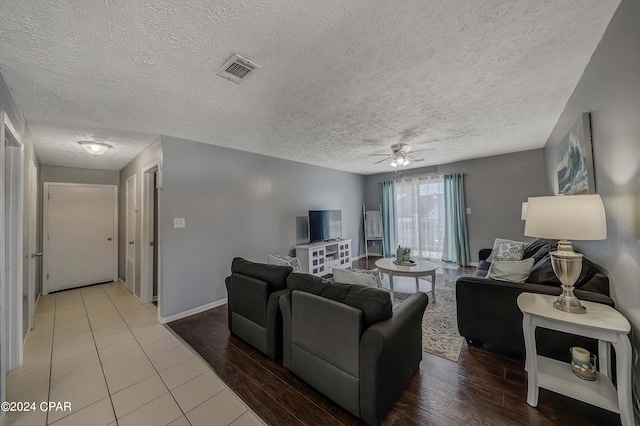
<point>509,252</point>
<point>294,262</point>
<point>496,247</point>
<point>539,255</point>
<point>368,277</point>
<point>516,271</point>
<point>482,269</point>
<point>538,244</point>
<point>542,272</point>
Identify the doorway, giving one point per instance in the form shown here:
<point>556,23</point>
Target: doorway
<point>150,242</point>
<point>419,215</point>
<point>130,229</point>
<point>11,245</point>
<point>79,235</point>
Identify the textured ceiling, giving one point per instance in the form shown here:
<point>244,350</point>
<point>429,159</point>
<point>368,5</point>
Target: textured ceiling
<point>339,79</point>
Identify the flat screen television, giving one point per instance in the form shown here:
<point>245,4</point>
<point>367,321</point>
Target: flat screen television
<point>325,225</point>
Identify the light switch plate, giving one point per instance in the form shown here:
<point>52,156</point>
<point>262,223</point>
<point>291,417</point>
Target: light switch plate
<point>468,210</point>
<point>178,222</point>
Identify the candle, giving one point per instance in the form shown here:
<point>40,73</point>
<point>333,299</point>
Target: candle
<point>581,356</point>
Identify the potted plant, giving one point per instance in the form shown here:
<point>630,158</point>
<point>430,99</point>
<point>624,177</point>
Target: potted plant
<point>406,255</point>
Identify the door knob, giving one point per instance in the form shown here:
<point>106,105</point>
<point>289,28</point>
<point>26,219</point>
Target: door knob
<point>109,239</point>
<point>36,254</point>
<point>130,242</point>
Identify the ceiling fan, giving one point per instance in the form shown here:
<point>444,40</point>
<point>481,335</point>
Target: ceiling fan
<point>401,155</point>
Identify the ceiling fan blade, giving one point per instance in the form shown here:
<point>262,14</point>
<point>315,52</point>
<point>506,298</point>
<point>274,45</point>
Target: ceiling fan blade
<point>378,155</point>
<point>423,150</point>
<point>419,159</point>
<point>383,160</point>
<point>405,149</point>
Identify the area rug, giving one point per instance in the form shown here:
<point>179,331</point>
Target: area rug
<point>440,323</point>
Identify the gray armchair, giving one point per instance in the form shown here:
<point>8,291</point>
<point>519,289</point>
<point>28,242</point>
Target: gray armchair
<point>253,290</point>
<point>345,341</point>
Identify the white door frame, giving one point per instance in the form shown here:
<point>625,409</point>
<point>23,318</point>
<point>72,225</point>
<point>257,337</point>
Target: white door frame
<point>45,228</point>
<point>146,255</point>
<point>33,257</point>
<point>159,180</point>
<point>11,261</point>
<point>130,245</point>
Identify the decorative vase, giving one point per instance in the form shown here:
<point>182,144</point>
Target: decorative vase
<point>406,258</point>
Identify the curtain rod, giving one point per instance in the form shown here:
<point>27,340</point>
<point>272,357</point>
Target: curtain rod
<point>423,177</point>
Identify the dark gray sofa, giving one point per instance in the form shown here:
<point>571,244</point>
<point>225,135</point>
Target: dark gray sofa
<point>347,342</point>
<point>487,309</point>
<point>253,290</point>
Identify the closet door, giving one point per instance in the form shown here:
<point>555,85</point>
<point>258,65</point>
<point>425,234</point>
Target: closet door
<point>80,235</point>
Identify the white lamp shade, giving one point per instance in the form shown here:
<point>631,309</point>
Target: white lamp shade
<point>566,217</point>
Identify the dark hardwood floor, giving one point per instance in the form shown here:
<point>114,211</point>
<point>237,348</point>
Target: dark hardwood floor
<point>485,387</point>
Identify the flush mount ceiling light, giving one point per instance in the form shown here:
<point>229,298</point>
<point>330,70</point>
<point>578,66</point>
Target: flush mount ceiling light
<point>95,148</point>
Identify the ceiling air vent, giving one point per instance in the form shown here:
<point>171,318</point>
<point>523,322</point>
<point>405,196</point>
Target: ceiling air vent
<point>237,69</point>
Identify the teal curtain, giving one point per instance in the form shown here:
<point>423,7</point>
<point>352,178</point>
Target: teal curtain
<point>456,241</point>
<point>387,195</point>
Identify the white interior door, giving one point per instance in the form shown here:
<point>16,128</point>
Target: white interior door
<point>80,245</point>
<point>130,273</point>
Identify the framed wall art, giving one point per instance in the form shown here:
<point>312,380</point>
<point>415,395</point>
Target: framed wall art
<point>575,160</point>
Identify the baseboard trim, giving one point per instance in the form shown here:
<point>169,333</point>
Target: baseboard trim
<point>164,320</point>
<point>473,264</point>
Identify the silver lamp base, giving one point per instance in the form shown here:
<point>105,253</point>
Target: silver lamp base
<point>569,303</point>
<point>567,264</point>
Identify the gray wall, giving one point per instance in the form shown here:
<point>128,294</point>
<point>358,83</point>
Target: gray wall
<point>495,188</point>
<point>238,204</point>
<point>150,154</point>
<point>76,175</point>
<point>610,90</point>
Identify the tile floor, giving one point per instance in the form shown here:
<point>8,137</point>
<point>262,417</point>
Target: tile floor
<point>107,355</point>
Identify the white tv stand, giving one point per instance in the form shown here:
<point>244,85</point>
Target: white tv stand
<point>320,258</point>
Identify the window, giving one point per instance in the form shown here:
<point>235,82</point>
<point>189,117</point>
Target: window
<point>419,212</point>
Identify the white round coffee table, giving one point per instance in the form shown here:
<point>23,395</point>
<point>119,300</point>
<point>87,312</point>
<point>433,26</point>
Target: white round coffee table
<point>422,268</point>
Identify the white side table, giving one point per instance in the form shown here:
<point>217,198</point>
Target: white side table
<point>600,322</point>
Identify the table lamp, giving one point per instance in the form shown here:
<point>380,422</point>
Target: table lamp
<point>566,217</point>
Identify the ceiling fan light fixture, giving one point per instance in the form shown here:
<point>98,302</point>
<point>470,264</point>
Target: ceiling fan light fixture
<point>401,155</point>
<point>95,148</point>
